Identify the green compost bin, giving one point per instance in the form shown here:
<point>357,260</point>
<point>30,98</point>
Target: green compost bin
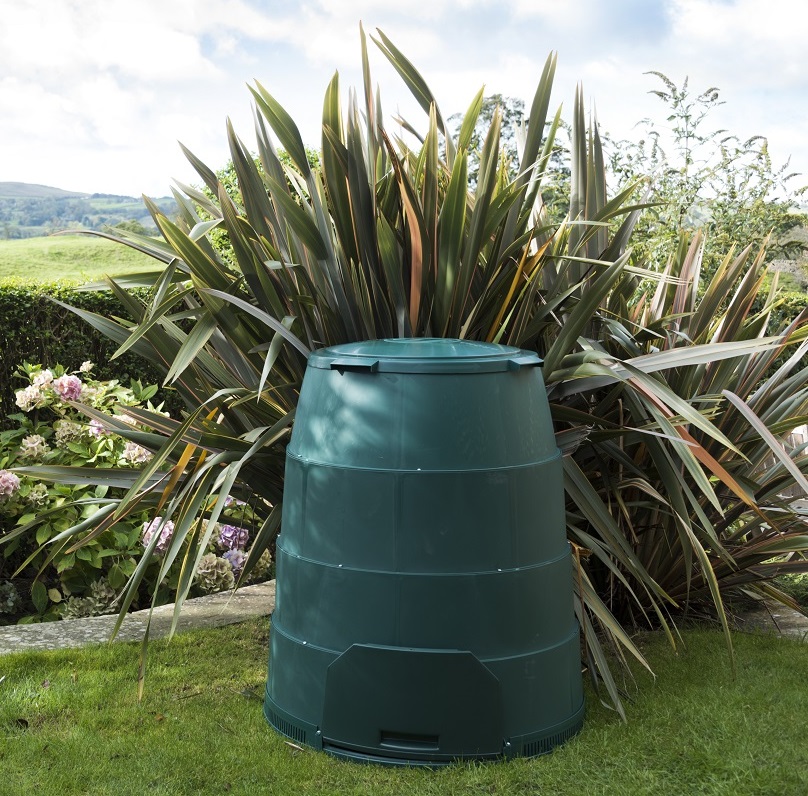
<point>424,608</point>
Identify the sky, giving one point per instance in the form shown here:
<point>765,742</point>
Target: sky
<point>96,94</point>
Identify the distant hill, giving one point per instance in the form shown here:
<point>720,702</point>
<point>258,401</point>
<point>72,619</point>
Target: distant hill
<point>28,210</point>
<point>27,190</point>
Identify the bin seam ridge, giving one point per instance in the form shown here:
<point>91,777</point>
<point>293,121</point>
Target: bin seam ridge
<point>573,634</point>
<point>399,573</point>
<point>405,471</point>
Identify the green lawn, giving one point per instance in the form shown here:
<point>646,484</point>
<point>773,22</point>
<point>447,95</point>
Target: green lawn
<point>68,258</point>
<point>70,724</point>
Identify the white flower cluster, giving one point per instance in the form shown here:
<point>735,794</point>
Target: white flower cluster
<point>67,431</point>
<point>90,395</point>
<point>38,495</point>
<point>30,398</point>
<point>135,454</point>
<point>43,378</point>
<point>214,574</point>
<point>33,447</point>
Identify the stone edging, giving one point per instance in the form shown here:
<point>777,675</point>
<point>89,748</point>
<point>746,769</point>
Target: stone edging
<point>213,610</point>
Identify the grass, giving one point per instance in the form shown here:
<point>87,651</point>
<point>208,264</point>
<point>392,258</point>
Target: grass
<point>68,258</point>
<point>70,724</point>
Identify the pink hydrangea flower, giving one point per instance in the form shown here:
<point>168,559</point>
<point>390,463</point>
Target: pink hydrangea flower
<point>165,529</point>
<point>68,387</point>
<point>9,483</point>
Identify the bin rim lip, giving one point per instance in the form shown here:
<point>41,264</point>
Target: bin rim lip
<point>422,354</point>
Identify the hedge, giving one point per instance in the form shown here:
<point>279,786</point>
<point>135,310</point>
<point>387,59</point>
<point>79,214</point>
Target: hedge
<point>36,329</point>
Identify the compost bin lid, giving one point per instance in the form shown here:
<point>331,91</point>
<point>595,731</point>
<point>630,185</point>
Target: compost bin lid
<point>422,355</point>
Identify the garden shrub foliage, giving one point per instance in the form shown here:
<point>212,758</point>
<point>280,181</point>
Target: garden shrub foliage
<point>665,401</point>
<point>36,328</point>
<point>72,419</point>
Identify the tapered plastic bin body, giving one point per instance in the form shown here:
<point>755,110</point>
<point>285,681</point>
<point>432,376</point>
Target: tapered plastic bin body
<point>424,608</point>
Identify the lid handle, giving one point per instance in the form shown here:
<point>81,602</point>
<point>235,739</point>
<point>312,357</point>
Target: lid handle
<point>354,366</point>
<point>526,360</point>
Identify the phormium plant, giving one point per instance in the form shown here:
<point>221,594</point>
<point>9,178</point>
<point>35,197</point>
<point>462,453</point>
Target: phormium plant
<point>664,400</point>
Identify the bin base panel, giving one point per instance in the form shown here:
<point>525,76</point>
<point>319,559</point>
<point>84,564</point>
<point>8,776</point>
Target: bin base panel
<point>527,745</point>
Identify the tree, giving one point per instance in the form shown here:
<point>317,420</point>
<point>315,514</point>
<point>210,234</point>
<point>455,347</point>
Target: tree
<point>131,225</point>
<point>511,112</point>
<point>706,178</point>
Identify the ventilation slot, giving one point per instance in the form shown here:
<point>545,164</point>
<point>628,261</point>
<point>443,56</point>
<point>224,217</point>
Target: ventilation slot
<point>286,727</point>
<point>541,746</point>
<point>406,741</point>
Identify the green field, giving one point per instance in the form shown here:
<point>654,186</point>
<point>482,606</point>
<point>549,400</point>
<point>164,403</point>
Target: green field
<point>68,258</point>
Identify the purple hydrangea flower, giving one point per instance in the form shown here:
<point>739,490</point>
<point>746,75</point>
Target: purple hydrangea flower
<point>151,528</point>
<point>68,387</point>
<point>231,537</point>
<point>236,558</point>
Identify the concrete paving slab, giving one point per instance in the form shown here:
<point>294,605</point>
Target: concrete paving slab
<point>774,618</point>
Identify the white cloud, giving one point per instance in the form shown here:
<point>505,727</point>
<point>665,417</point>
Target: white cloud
<point>553,12</point>
<point>73,38</point>
<point>94,94</point>
<point>749,42</point>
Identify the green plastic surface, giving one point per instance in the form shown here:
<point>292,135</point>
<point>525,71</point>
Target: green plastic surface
<point>423,554</point>
<point>422,355</point>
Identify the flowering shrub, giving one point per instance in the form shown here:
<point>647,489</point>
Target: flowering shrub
<point>214,574</point>
<point>100,600</point>
<point>9,597</point>
<point>165,528</point>
<point>232,537</point>
<point>52,430</point>
<point>9,484</point>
